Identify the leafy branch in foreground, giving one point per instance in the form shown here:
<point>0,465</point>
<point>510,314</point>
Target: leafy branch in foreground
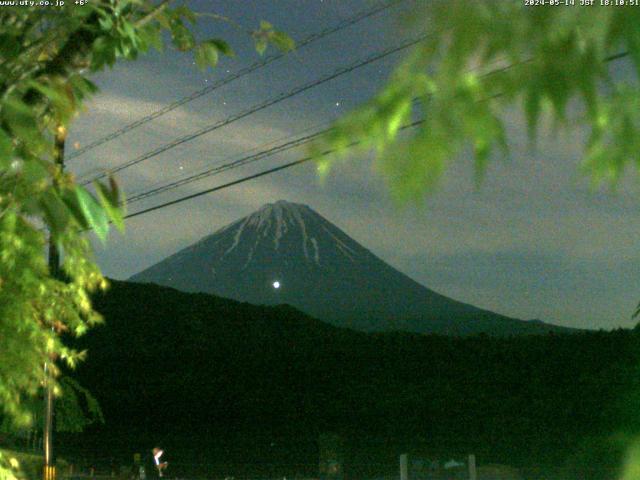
<point>484,57</point>
<point>45,57</point>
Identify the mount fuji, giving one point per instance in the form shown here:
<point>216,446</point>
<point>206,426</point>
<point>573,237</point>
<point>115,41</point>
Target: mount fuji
<point>286,253</point>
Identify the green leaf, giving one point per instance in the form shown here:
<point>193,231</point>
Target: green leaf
<point>70,199</point>
<point>222,46</point>
<point>34,171</point>
<point>106,22</point>
<point>82,87</point>
<point>22,122</point>
<point>261,46</point>
<point>116,197</point>
<point>104,53</point>
<point>264,25</point>
<point>94,214</point>
<point>110,202</point>
<point>181,36</point>
<point>54,95</point>
<point>57,214</point>
<point>63,104</point>
<point>131,33</point>
<point>283,42</point>
<point>150,36</point>
<point>200,57</point>
<point>186,13</point>
<point>164,19</point>
<point>206,55</point>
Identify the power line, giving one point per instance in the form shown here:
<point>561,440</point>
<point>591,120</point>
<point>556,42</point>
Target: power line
<point>228,166</point>
<point>246,155</point>
<point>302,140</point>
<point>227,185</point>
<point>240,73</point>
<point>260,155</point>
<point>261,106</point>
<point>251,177</point>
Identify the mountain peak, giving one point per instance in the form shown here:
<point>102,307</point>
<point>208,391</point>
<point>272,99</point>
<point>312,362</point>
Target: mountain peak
<point>286,252</point>
<point>284,204</point>
<point>275,223</point>
<point>281,205</point>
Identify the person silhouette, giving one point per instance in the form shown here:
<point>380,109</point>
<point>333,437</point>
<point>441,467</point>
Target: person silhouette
<point>158,465</point>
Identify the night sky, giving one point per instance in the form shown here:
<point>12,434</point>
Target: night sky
<point>534,241</point>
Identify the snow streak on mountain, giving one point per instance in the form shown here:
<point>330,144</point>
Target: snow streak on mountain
<point>287,253</point>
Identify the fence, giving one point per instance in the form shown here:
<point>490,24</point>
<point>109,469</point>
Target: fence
<point>213,471</point>
<point>420,468</point>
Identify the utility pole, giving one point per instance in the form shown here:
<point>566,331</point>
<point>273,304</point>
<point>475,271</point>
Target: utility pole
<point>49,471</point>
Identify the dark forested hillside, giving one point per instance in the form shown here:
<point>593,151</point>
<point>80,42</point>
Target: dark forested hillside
<point>171,365</point>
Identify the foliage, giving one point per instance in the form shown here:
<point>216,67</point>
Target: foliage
<point>28,466</point>
<point>45,57</point>
<point>9,466</point>
<point>274,373</point>
<point>76,408</point>
<point>481,58</point>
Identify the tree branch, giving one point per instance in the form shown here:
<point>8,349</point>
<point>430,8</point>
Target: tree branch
<point>152,14</point>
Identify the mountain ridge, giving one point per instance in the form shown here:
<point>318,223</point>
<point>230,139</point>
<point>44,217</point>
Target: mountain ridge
<point>200,373</point>
<point>287,253</point>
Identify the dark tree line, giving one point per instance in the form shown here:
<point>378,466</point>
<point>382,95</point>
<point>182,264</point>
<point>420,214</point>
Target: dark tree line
<point>171,365</point>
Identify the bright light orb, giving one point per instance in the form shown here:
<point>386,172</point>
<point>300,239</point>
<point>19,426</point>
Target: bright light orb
<point>276,284</point>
